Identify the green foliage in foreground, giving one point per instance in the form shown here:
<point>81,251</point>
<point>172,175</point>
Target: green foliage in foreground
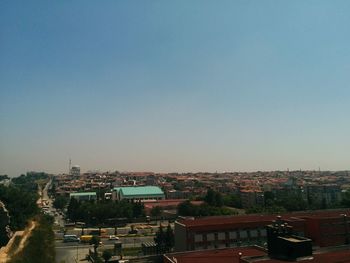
<point>106,255</point>
<point>20,203</point>
<point>40,246</point>
<point>165,240</point>
<point>20,198</point>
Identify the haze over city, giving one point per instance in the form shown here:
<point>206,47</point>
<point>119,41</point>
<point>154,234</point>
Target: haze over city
<point>174,86</point>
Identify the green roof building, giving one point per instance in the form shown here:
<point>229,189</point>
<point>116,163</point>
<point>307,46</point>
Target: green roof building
<point>139,193</point>
<point>87,196</point>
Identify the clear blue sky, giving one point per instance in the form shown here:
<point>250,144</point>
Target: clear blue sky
<point>174,85</point>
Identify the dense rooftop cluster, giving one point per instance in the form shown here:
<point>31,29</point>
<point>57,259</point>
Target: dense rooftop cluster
<point>319,188</point>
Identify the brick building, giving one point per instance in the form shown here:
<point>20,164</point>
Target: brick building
<point>255,254</point>
<point>282,246</point>
<point>324,228</point>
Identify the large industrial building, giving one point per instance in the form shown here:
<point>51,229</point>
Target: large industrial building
<point>138,193</point>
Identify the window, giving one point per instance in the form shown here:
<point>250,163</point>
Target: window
<point>243,234</point>
<point>233,235</point>
<point>221,236</point>
<point>253,233</point>
<point>198,237</point>
<point>210,237</point>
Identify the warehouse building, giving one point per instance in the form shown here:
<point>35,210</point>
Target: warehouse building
<point>138,193</point>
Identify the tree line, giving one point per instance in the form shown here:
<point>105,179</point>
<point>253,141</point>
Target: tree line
<point>101,212</point>
<point>165,240</point>
<point>20,198</point>
<point>214,204</point>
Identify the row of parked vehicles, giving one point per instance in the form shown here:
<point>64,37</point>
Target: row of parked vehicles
<point>84,238</point>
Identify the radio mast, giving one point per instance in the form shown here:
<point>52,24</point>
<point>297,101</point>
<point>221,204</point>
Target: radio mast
<point>70,166</point>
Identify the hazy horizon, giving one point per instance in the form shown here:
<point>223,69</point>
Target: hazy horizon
<point>174,86</point>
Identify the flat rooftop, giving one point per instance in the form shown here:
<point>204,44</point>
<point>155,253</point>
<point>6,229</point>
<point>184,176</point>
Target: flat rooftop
<point>229,255</point>
<point>255,218</point>
<point>255,254</point>
<point>337,256</point>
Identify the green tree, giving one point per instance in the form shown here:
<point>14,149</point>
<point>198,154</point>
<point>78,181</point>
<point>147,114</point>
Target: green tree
<point>186,209</point>
<point>138,209</point>
<point>232,200</point>
<point>213,198</point>
<point>291,201</point>
<point>3,177</point>
<point>60,202</point>
<point>269,198</point>
<point>218,199</point>
<point>40,247</point>
<point>156,211</point>
<point>169,238</point>
<point>346,198</point>
<point>4,223</point>
<point>210,197</point>
<point>159,239</point>
<point>21,204</point>
<point>52,190</point>
<point>106,255</point>
<point>73,209</point>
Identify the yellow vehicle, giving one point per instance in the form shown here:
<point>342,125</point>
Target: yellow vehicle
<point>86,238</point>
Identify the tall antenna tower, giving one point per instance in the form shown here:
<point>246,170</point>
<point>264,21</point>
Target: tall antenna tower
<point>70,166</point>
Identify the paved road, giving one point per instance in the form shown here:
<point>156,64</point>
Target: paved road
<point>59,221</point>
<point>70,252</point>
<point>126,242</point>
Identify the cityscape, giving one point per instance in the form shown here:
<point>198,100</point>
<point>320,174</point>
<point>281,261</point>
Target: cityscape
<point>188,131</point>
<point>170,217</point>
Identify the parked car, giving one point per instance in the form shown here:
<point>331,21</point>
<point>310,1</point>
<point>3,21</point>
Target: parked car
<point>133,231</point>
<point>70,238</point>
<point>113,237</point>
